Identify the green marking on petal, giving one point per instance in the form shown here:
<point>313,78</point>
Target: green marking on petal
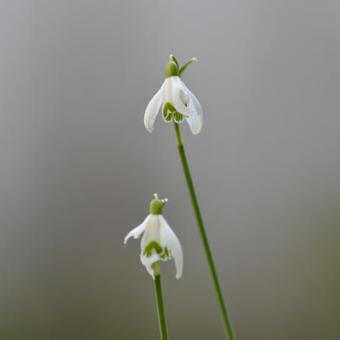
<point>167,115</point>
<point>155,248</point>
<point>178,117</point>
<point>168,118</point>
<point>148,250</point>
<point>167,110</point>
<point>166,253</point>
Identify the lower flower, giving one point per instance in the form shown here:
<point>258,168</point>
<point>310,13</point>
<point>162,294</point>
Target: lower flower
<point>159,242</point>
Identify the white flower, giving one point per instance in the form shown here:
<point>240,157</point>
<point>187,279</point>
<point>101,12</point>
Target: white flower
<point>181,99</point>
<point>159,242</point>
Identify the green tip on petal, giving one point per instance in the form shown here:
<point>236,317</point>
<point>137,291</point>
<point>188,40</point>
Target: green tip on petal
<point>156,205</point>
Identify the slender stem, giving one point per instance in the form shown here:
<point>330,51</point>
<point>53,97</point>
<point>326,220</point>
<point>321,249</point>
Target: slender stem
<point>213,272</point>
<point>163,328</point>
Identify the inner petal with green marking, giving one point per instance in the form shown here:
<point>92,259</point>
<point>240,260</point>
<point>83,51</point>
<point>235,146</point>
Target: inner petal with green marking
<point>155,248</point>
<point>170,113</point>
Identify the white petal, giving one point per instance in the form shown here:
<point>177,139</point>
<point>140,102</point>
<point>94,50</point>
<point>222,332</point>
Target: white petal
<point>148,262</point>
<point>195,119</point>
<point>152,227</point>
<point>136,232</point>
<point>152,109</point>
<point>151,234</point>
<point>176,93</point>
<point>170,240</point>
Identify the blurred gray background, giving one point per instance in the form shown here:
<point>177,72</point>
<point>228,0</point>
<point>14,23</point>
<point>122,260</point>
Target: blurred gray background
<point>78,168</point>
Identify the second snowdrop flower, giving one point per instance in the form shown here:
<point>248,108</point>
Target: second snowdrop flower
<point>159,242</point>
<point>175,100</point>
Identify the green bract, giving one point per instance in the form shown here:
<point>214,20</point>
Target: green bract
<point>172,68</point>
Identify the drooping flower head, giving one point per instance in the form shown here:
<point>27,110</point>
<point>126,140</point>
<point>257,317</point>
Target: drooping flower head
<point>159,242</point>
<point>175,100</point>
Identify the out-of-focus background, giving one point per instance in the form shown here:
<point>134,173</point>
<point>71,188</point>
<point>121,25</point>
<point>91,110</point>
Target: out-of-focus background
<point>78,168</point>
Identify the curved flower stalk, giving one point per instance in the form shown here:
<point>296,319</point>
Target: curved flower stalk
<point>175,100</point>
<point>159,242</point>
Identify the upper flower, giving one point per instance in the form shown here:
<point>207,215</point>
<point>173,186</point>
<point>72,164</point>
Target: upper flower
<point>175,99</point>
<point>159,242</point>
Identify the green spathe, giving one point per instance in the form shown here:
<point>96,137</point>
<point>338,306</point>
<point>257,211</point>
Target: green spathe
<point>173,69</point>
<point>186,64</point>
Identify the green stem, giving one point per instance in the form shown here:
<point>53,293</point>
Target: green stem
<point>213,272</point>
<point>163,328</point>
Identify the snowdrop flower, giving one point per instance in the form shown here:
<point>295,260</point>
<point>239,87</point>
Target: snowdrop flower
<point>175,100</point>
<point>159,242</point>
